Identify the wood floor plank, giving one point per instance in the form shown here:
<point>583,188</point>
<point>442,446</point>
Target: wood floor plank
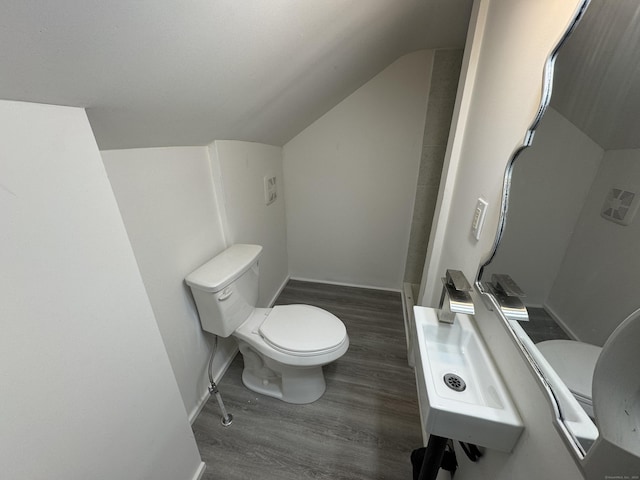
<point>365,425</point>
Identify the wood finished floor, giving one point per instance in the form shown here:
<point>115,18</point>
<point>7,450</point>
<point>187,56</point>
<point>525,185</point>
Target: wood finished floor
<point>541,326</point>
<point>364,426</point>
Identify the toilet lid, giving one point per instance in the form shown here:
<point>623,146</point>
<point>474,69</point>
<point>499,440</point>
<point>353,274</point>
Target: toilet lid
<point>302,329</point>
<point>574,362</point>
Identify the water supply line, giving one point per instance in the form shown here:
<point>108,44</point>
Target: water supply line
<point>226,418</point>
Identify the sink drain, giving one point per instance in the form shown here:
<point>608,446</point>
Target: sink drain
<point>454,382</point>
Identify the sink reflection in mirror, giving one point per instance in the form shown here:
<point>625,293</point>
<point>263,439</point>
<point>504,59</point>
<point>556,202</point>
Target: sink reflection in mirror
<point>571,235</point>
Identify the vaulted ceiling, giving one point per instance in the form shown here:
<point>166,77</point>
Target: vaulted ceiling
<point>161,73</point>
<point>597,81</point>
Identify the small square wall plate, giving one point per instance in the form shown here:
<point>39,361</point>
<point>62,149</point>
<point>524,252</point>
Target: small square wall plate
<point>620,205</point>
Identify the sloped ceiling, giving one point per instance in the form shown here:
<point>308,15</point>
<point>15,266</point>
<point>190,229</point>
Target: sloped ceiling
<point>597,77</point>
<point>162,73</point>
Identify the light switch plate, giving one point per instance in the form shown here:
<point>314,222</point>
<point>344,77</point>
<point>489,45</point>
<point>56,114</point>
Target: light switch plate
<point>478,217</point>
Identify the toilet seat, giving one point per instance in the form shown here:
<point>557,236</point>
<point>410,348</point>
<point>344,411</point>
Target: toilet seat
<point>574,362</point>
<point>302,330</point>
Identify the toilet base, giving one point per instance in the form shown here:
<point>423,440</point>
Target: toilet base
<point>291,384</point>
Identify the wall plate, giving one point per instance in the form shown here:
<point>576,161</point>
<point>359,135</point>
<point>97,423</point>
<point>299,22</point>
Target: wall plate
<point>270,189</point>
<point>620,205</point>
<point>478,217</point>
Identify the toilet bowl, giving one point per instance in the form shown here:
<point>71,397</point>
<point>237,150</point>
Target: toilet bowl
<point>285,347</point>
<point>574,362</point>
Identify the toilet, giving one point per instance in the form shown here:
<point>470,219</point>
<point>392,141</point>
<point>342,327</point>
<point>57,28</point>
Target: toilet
<point>574,362</point>
<point>285,347</point>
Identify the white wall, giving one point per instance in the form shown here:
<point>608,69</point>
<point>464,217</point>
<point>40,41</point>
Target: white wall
<point>500,100</point>
<point>182,206</point>
<point>167,202</point>
<point>350,180</point>
<point>598,284</point>
<point>239,169</point>
<point>443,87</point>
<point>508,44</point>
<point>87,388</point>
<point>551,180</point>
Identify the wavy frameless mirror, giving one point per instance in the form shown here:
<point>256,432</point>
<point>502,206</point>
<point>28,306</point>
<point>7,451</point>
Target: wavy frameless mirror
<point>570,236</point>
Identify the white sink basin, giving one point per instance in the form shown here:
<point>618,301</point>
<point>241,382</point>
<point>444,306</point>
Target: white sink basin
<point>452,355</point>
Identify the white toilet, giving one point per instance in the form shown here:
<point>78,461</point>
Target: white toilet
<point>284,347</point>
<point>574,362</point>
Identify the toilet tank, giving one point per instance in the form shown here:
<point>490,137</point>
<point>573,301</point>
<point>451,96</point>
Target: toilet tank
<point>226,288</point>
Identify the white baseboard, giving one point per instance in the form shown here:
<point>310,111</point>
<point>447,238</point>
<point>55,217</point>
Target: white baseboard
<point>559,321</point>
<point>217,376</point>
<point>273,299</point>
<point>345,284</point>
<point>535,305</point>
<point>408,302</point>
<point>200,471</point>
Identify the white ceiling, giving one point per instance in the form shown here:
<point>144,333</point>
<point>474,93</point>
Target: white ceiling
<point>597,81</point>
<point>161,73</point>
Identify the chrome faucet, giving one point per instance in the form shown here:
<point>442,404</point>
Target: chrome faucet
<point>455,297</point>
<point>507,295</point>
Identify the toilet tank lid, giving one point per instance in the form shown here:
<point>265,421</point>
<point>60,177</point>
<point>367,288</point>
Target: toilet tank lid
<point>224,268</point>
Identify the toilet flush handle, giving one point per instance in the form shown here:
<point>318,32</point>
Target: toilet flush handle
<point>226,293</point>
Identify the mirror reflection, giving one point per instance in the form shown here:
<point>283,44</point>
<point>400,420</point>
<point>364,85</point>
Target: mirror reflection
<point>572,236</point>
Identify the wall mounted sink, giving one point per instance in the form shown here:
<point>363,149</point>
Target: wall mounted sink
<point>460,391</point>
